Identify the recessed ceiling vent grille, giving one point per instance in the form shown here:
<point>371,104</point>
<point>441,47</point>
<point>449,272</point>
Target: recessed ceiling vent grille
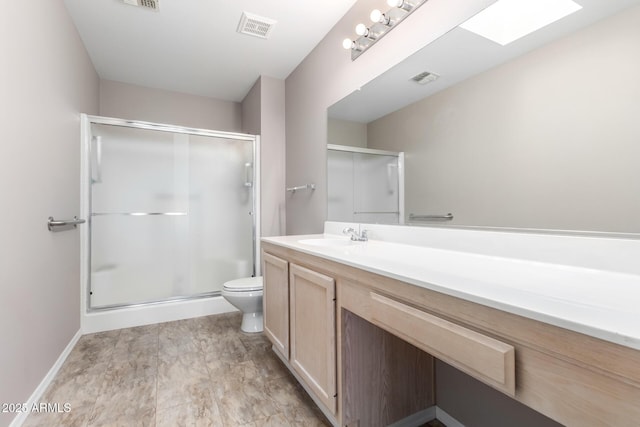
<point>255,25</point>
<point>147,4</point>
<point>425,77</point>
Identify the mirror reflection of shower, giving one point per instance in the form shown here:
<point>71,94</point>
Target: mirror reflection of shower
<point>172,212</point>
<point>365,185</point>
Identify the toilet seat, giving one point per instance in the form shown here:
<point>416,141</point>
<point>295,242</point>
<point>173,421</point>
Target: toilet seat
<point>246,284</point>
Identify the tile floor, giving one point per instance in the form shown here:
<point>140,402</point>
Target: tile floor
<point>196,372</point>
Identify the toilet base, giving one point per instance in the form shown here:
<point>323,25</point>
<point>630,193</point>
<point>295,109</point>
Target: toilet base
<point>251,322</point>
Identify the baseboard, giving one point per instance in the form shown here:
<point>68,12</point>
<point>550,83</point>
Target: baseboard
<point>147,314</point>
<point>46,381</point>
<point>447,419</point>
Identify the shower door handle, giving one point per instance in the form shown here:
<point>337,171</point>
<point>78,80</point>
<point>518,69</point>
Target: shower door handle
<point>64,224</point>
<point>248,179</point>
<point>98,160</point>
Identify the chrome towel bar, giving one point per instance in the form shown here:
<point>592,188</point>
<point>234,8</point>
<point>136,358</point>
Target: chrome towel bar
<point>446,217</point>
<point>302,187</point>
<point>64,224</point>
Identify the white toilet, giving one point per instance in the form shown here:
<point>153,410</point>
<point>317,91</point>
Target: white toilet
<point>246,295</point>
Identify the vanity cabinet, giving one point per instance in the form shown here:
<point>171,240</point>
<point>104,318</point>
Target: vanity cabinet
<point>364,345</point>
<point>574,379</point>
<point>299,320</point>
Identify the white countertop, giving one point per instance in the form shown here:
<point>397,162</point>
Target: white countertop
<point>596,302</point>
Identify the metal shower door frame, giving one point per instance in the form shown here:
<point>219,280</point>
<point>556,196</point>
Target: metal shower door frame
<point>86,206</point>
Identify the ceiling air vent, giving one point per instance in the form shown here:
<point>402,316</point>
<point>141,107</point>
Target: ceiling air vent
<point>147,4</point>
<point>425,77</point>
<point>255,25</point>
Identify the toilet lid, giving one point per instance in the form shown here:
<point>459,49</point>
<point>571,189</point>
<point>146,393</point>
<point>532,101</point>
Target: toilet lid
<point>245,284</point>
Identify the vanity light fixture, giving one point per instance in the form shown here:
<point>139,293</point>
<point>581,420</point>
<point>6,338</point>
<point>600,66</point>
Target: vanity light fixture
<point>382,24</point>
<point>508,20</point>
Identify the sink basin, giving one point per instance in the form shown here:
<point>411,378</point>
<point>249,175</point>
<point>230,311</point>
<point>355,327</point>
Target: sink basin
<point>326,242</point>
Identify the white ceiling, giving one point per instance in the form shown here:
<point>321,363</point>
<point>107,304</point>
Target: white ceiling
<point>456,56</point>
<point>192,46</point>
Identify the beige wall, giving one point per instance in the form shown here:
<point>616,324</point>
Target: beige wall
<point>263,114</point>
<point>250,107</point>
<point>344,132</point>
<point>327,74</point>
<point>549,140</point>
<point>133,102</point>
<point>273,157</point>
<point>46,81</point>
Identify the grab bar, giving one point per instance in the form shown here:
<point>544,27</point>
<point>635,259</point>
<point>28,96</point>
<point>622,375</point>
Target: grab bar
<point>302,187</point>
<point>446,217</point>
<point>64,224</point>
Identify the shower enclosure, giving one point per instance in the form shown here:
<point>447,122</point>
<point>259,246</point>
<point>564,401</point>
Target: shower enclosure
<point>172,211</point>
<point>365,185</point>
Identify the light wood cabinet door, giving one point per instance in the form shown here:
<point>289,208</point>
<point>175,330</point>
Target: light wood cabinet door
<point>275,302</point>
<point>313,331</point>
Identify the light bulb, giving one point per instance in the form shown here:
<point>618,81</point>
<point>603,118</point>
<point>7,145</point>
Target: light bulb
<point>402,4</point>
<point>347,44</point>
<point>376,15</point>
<point>362,30</point>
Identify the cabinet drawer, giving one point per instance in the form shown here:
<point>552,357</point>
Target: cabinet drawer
<point>485,358</point>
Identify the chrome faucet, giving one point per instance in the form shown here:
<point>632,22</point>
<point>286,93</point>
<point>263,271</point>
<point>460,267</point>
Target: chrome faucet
<point>355,236</point>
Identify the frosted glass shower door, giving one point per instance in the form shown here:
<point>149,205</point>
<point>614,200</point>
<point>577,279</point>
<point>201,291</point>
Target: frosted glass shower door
<point>170,214</point>
<point>375,189</point>
<point>363,187</point>
<point>339,185</point>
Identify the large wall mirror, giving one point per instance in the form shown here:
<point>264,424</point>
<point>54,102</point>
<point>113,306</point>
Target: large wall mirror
<point>541,133</point>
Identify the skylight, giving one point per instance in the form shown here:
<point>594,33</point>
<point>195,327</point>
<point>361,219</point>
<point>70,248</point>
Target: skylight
<point>508,20</point>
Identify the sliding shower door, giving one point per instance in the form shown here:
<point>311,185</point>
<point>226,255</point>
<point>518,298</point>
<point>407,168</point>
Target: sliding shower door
<point>364,185</point>
<point>171,214</point>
